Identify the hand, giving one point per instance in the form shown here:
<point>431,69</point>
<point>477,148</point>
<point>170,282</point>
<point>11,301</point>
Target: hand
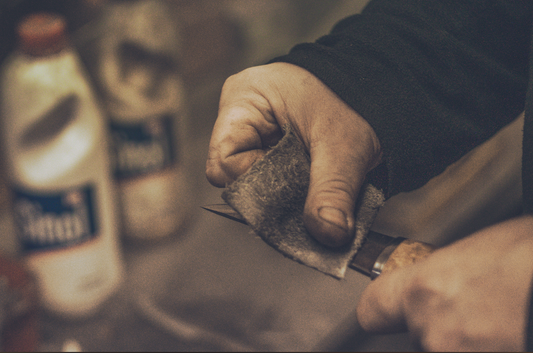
<point>257,102</point>
<point>471,295</point>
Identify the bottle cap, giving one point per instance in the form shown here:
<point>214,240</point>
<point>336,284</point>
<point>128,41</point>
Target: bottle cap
<point>42,34</point>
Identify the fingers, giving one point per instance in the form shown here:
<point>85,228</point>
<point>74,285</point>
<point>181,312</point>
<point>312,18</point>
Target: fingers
<point>380,308</point>
<point>407,297</point>
<point>468,296</point>
<point>244,130</point>
<point>343,147</point>
<point>234,147</point>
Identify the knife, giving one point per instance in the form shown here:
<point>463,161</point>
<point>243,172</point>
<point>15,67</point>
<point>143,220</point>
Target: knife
<point>378,254</point>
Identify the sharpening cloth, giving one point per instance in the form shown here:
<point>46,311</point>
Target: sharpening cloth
<point>271,197</point>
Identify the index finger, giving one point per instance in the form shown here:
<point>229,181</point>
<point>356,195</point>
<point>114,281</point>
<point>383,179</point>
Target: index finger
<point>233,148</point>
<point>380,308</point>
<point>244,130</point>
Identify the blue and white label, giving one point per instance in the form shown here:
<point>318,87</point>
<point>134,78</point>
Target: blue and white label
<point>139,149</point>
<point>49,221</point>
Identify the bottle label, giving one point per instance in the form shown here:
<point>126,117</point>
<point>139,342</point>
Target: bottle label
<point>142,148</point>
<point>55,220</point>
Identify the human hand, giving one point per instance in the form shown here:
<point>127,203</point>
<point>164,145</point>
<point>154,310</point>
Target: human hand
<point>470,296</point>
<point>257,102</point>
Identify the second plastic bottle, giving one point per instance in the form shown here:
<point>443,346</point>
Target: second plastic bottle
<point>135,67</point>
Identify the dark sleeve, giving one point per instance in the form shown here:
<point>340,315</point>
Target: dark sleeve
<point>527,181</point>
<point>433,78</point>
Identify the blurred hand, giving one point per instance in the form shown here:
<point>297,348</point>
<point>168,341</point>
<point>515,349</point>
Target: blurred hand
<point>470,296</point>
<point>257,102</point>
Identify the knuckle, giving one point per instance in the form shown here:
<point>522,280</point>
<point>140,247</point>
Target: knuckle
<point>437,284</point>
<point>229,82</point>
<point>241,77</point>
<point>421,290</point>
<point>337,189</point>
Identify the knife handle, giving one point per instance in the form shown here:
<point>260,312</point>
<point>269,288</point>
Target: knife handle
<point>399,253</point>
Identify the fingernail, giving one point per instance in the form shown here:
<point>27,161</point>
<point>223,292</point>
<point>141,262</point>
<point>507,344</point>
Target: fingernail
<point>334,216</point>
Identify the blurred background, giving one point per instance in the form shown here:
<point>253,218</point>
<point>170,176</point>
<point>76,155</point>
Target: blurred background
<point>210,285</point>
<point>103,242</point>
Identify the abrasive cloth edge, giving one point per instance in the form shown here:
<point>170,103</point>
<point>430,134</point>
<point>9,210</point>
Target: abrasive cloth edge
<point>271,197</point>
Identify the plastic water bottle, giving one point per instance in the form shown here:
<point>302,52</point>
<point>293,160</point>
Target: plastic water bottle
<point>55,144</point>
<point>135,67</point>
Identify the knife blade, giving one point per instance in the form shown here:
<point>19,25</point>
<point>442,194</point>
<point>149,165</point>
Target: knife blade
<point>378,254</point>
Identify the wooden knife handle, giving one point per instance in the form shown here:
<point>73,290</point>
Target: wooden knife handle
<point>402,252</point>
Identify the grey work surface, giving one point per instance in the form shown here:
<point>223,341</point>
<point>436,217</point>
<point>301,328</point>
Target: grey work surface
<point>217,287</point>
<point>222,279</point>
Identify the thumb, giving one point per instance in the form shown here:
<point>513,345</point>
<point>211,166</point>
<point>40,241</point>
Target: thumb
<point>341,155</point>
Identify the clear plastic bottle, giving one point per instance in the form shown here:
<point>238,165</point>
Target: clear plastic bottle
<point>136,68</point>
<point>55,145</point>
